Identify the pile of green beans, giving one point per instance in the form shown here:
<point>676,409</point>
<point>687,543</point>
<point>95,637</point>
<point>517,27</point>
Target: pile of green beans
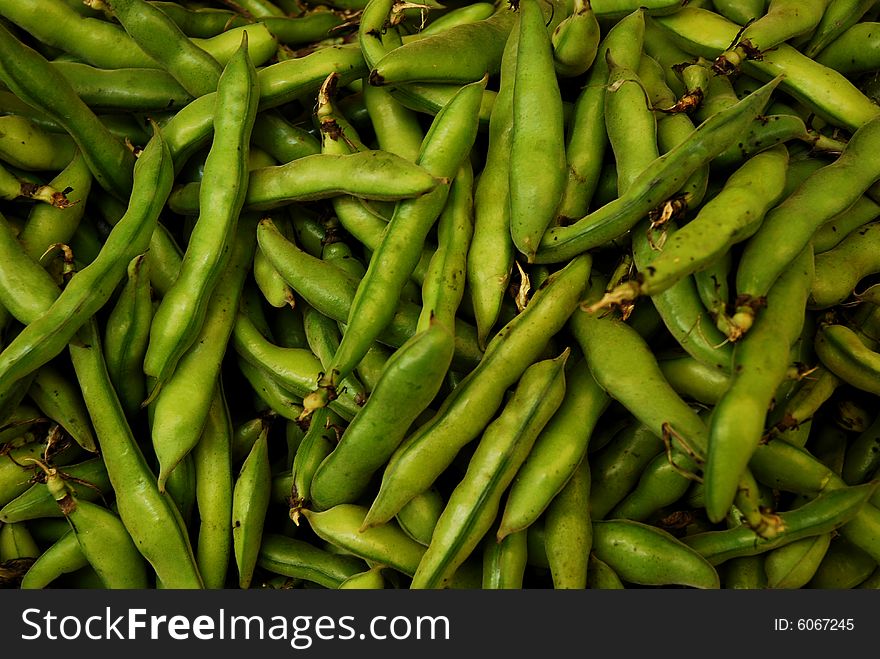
<point>377,294</point>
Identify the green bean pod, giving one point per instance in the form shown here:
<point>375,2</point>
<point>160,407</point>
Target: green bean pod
<point>181,312</point>
<point>823,514</point>
<point>323,337</point>
<point>537,134</point>
<point>250,500</point>
<point>576,41</point>
<point>152,519</point>
<point>794,565</point>
<point>827,93</point>
<point>647,555</point>
<point>409,382</point>
<point>462,54</point>
<point>473,504</point>
<point>58,399</point>
<point>504,561</point>
<point>784,20</point>
<point>693,379</point>
<point>558,450</point>
<point>62,557</point>
<point>841,268</point>
<point>36,82</point>
<point>333,291</point>
<point>761,264</point>
<point>367,174</point>
<point>444,282</point>
<point>212,460</point>
<point>397,127</point>
<point>182,406</point>
<point>48,225</point>
<point>303,560</point>
<point>843,352</point>
<point>469,407</point>
<point>490,257</point>
<point>126,334</point>
<point>385,545</point>
<point>103,538</point>
<point>855,51</point>
<point>90,288</point>
<point>569,532</point>
<point>837,18</point>
<point>418,518</point>
<point>446,145</point>
<point>24,145</point>
<point>658,182</point>
<point>843,566</point>
<point>318,442</point>
<point>835,230</point>
<point>759,366</point>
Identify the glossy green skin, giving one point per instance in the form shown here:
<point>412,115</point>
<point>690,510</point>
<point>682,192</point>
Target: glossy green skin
<point>366,174</point>
<point>793,565</point>
<point>470,406</point>
<point>181,313</point>
<point>385,545</point>
<point>446,145</point>
<point>835,230</point>
<point>314,448</point>
<point>760,363</point>
<point>443,286</point>
<point>741,11</point>
<point>15,479</point>
<point>376,37</point>
<point>62,557</point>
<point>615,470</point>
<point>537,134</point>
<point>843,566</point>
<point>214,487</point>
<point>16,542</point>
<point>576,42</point>
<point>202,22</point>
<point>827,93</point>
<point>20,273</point>
<point>843,353</point>
<point>397,128</point>
<point>96,41</point>
<point>409,382</point>
<point>779,240</point>
<point>91,287</point>
<point>250,501</point>
<point>59,399</point>
<point>647,555</point>
<point>372,579</point>
<point>26,146</point>
<point>36,82</point>
<point>323,337</point>
<point>124,90</point>
<point>839,16</point>
<point>558,450</point>
<point>630,124</point>
<point>504,561</point>
<point>106,544</point>
<point>823,514</point>
<point>473,504</point>
<point>840,269</point>
<point>744,573</point>
<point>658,182</point>
<point>281,139</point>
<point>660,484</point>
<point>784,20</point>
<point>694,380</point>
<point>461,54</point>
<point>303,560</point>
<point>713,287</point>
<point>274,397</point>
<point>732,216</point>
<point>152,519</point>
<point>182,406</point>
<point>331,291</point>
<point>490,256</point>
<point>302,30</point>
<point>280,83</point>
<point>295,369</point>
<point>568,531</point>
<point>418,518</point>
<point>614,9</point>
<point>164,41</point>
<point>862,457</point>
<point>262,45</point>
<point>126,334</point>
<point>600,576</point>
<point>47,225</point>
<point>855,51</point>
